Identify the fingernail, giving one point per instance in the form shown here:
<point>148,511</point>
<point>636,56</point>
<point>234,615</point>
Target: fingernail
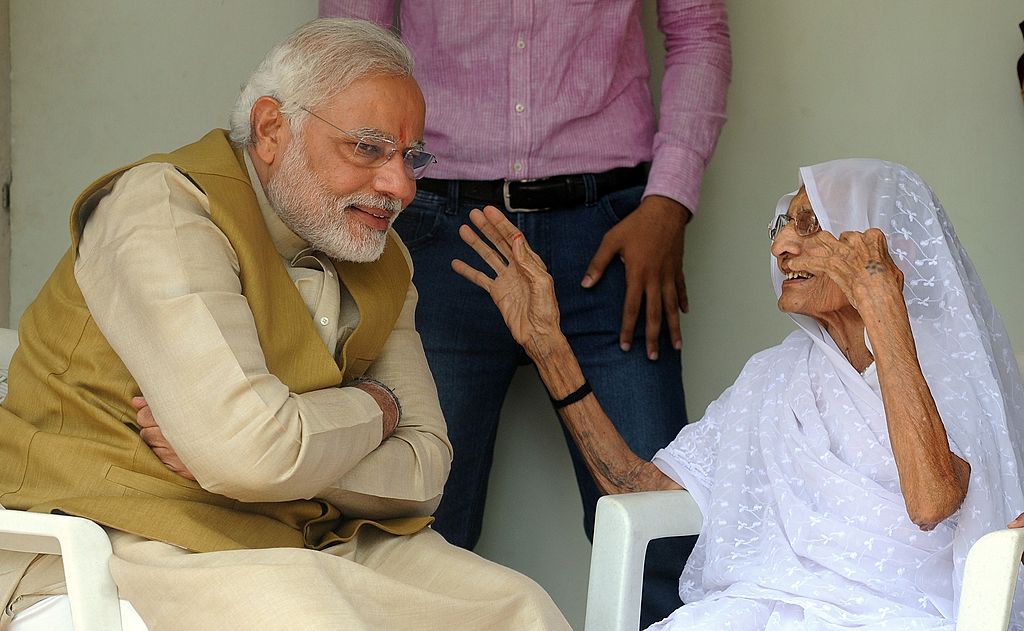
<point>678,345</point>
<point>625,347</point>
<point>652,356</point>
<point>588,282</point>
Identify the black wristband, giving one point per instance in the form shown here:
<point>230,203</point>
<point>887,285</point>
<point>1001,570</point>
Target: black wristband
<point>572,397</point>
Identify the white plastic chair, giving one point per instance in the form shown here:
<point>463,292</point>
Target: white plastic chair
<point>625,524</point>
<point>85,552</point>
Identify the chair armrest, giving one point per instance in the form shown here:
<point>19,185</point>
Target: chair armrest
<point>990,579</point>
<point>85,550</point>
<point>623,527</point>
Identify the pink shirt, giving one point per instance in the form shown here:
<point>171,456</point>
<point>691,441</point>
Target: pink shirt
<point>520,89</point>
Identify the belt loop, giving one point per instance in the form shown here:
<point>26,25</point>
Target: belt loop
<point>590,188</point>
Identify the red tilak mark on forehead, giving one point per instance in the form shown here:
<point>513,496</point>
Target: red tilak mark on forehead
<point>406,137</point>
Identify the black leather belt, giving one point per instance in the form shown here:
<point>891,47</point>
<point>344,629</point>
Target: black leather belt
<point>548,192</point>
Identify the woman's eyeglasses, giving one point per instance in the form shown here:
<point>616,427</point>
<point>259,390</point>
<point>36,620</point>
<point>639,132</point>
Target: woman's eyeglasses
<point>805,224</point>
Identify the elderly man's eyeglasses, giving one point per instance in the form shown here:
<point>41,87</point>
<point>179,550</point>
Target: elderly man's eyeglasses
<point>805,223</point>
<point>372,152</point>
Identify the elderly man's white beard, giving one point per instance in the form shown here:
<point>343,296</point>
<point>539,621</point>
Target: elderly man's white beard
<point>306,205</point>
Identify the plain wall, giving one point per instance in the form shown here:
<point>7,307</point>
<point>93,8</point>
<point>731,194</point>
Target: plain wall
<point>98,83</point>
<point>5,159</point>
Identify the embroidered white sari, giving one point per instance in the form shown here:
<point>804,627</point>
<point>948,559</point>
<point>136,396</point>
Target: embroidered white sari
<point>804,523</point>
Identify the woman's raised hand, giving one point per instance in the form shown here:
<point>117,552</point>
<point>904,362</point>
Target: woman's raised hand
<point>858,262</point>
<point>521,288</point>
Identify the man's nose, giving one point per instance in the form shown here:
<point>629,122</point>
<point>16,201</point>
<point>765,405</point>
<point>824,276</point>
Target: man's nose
<point>392,179</point>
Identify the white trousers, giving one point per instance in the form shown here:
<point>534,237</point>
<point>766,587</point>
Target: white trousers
<point>376,582</point>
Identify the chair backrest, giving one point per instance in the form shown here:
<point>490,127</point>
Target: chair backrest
<point>8,344</point>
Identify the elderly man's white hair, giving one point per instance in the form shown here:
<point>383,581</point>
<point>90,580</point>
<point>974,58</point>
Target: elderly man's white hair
<point>314,64</point>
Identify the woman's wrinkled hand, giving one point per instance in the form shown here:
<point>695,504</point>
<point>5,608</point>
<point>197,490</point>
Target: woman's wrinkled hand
<point>1018,522</point>
<point>858,262</point>
<point>521,288</point>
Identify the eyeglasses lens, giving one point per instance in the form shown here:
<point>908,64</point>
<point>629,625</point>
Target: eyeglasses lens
<point>417,162</point>
<point>805,224</point>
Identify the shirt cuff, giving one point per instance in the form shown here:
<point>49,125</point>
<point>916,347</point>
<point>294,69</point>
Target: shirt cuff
<point>676,173</point>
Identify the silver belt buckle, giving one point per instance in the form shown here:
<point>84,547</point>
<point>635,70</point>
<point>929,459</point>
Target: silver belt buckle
<point>508,204</point>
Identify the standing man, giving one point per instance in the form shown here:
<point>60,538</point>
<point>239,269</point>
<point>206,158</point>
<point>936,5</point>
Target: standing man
<point>541,107</point>
<point>248,286</point>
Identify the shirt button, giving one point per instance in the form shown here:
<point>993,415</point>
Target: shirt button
<point>520,108</point>
<point>518,166</point>
<point>325,320</point>
<point>520,44</point>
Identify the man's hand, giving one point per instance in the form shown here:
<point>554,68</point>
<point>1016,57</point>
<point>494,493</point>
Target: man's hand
<point>650,243</point>
<point>386,400</point>
<point>154,438</point>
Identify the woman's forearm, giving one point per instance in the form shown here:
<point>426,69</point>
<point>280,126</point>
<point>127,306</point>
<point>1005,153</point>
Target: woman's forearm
<point>614,466</point>
<point>932,478</point>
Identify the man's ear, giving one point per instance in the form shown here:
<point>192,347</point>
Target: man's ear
<point>270,130</point>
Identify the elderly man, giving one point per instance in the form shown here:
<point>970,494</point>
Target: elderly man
<point>292,450</point>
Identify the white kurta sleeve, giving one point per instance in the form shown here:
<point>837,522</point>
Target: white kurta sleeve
<point>161,282</point>
<point>406,474</point>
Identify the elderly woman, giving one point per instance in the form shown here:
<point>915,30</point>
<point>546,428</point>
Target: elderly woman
<point>847,471</point>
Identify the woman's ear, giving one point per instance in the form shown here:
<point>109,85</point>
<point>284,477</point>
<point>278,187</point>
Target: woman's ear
<point>270,130</point>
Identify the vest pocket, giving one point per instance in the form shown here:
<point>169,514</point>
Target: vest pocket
<point>149,485</point>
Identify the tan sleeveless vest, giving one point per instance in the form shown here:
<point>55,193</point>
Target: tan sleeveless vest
<point>68,438</point>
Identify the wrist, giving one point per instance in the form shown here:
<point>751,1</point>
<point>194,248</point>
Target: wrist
<point>880,306</point>
<point>671,209</point>
<point>387,401</point>
<point>544,344</point>
<point>575,396</point>
<point>558,369</point>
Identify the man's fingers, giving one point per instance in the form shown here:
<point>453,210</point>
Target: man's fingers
<point>145,417</point>
<point>652,328</point>
<point>153,437</point>
<point>671,302</point>
<point>595,269</point>
<point>473,275</point>
<point>683,299</point>
<point>630,311</point>
<point>172,462</point>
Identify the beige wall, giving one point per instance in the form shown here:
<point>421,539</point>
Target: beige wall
<point>5,159</point>
<point>925,82</point>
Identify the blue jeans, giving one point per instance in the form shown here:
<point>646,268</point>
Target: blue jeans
<point>473,357</point>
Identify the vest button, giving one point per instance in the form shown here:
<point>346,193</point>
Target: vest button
<point>325,320</point>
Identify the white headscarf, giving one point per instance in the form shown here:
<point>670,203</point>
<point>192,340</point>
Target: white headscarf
<point>792,466</point>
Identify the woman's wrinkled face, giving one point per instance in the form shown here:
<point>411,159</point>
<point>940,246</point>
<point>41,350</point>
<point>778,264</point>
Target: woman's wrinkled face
<point>814,295</point>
